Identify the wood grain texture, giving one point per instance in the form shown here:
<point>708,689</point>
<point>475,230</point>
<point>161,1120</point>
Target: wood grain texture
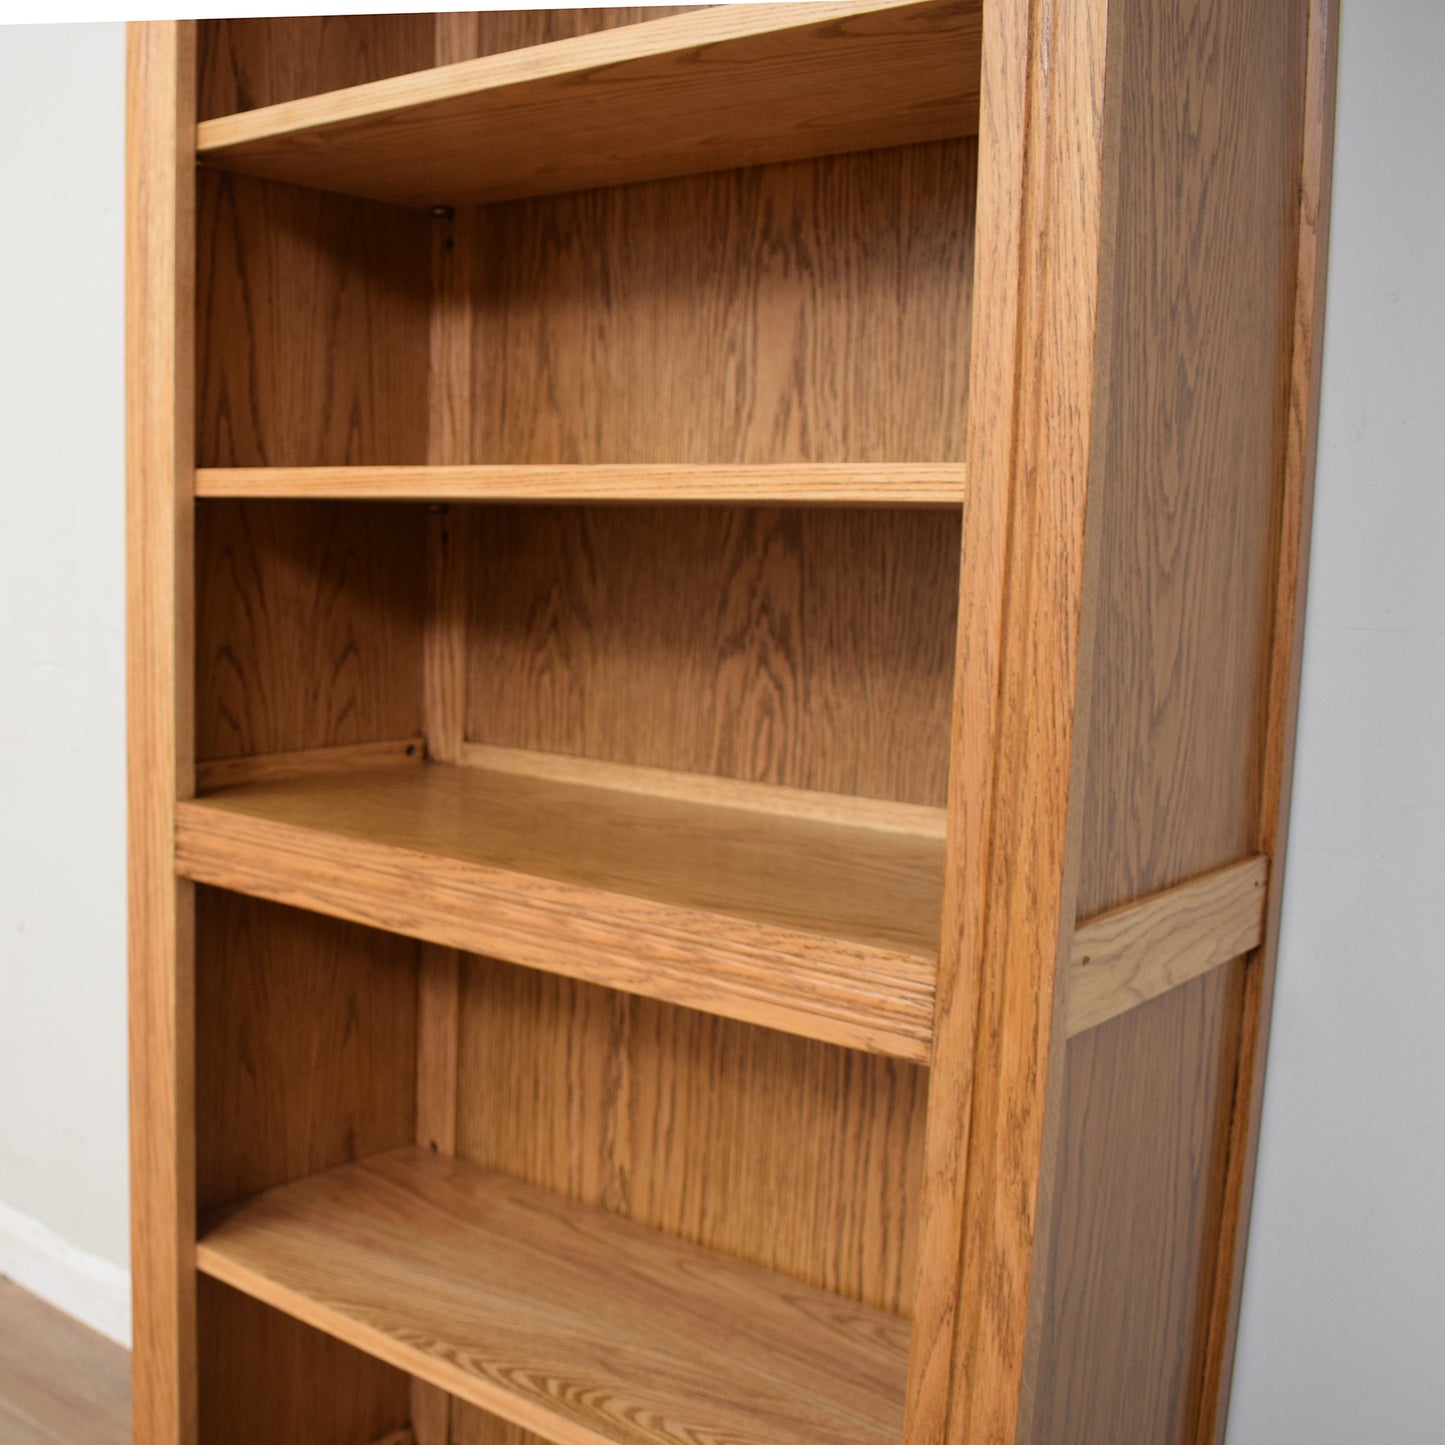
<point>438,1006</point>
<point>246,63</point>
<point>709,90</point>
<point>268,1377</point>
<point>1008,899</point>
<point>1147,1098</point>
<point>564,1319</point>
<point>160,463</point>
<point>270,767</point>
<point>306,1036</point>
<point>1208,164</point>
<point>816,312</point>
<point>60,1383</point>
<point>807,649</point>
<point>1133,953</point>
<point>828,484</point>
<point>493,31</point>
<point>437,1042</point>
<point>1282,698</point>
<point>814,928</point>
<point>872,813</point>
<point>309,626</point>
<point>450,387</point>
<point>312,314</point>
<point>1200,279</point>
<point>305,1043</point>
<point>794,1154</point>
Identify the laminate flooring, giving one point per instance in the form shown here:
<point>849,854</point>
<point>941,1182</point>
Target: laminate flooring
<point>60,1383</point>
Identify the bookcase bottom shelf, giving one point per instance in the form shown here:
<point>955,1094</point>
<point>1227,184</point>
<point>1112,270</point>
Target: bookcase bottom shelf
<point>568,1321</point>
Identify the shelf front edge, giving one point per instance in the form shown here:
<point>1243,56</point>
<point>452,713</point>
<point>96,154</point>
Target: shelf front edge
<point>811,484</point>
<point>858,995</point>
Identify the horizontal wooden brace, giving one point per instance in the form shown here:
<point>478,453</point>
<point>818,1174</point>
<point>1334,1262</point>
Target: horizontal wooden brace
<point>1134,953</point>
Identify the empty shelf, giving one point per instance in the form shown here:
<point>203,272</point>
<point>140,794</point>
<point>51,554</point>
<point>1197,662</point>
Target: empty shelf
<point>584,1327</point>
<point>824,929</point>
<point>708,90</point>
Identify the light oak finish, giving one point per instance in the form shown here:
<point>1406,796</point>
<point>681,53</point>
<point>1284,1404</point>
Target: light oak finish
<point>816,928</point>
<point>710,90</point>
<point>444,664</point>
<point>1008,900</point>
<point>792,1153</point>
<point>273,767</point>
<point>293,1007</point>
<point>827,484</point>
<point>815,312</point>
<point>561,1318</point>
<point>160,461</point>
<point>728,641</point>
<point>876,814</point>
<point>1132,954</point>
<point>837,577</point>
<point>291,658</point>
<point>1194,412</point>
<point>1282,694</point>
<point>295,288</point>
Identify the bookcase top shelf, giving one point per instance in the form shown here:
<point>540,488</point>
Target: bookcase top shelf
<point>708,90</point>
<point>824,929</point>
<point>568,1321</point>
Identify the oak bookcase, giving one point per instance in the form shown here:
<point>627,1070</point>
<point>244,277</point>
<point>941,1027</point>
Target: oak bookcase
<point>713,642</point>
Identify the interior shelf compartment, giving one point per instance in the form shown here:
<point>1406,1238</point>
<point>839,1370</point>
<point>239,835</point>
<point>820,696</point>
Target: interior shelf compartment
<point>839,484</point>
<point>824,928</point>
<point>566,1320</point>
<point>709,90</point>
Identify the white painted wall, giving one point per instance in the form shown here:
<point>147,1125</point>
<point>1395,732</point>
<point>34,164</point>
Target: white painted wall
<point>62,741</point>
<point>1344,1318</point>
<point>1343,1335</point>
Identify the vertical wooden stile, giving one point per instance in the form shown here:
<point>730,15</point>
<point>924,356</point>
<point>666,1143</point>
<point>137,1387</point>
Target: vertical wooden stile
<point>1008,906</point>
<point>444,666</point>
<point>160,467</point>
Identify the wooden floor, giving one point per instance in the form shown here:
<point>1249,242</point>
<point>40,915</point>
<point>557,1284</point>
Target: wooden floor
<point>60,1383</point>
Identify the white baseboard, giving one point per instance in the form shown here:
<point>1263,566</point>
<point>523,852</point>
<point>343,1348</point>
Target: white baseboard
<point>84,1286</point>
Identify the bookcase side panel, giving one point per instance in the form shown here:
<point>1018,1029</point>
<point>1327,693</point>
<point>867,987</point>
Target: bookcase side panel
<point>1187,508</point>
<point>160,477</point>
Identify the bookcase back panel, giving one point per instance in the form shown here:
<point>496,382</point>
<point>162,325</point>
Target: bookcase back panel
<point>305,1044</point>
<point>807,648</point>
<point>311,327</point>
<point>308,625</point>
<point>245,63</point>
<point>305,1058</point>
<point>816,311</point>
<point>265,1376</point>
<point>795,1154</point>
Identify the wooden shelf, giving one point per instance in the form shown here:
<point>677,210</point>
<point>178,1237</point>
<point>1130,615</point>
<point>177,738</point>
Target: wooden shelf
<point>584,1327</point>
<point>828,929</point>
<point>837,484</point>
<point>708,90</point>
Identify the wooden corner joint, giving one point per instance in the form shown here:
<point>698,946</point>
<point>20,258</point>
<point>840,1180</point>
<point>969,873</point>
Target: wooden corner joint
<point>1129,955</point>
